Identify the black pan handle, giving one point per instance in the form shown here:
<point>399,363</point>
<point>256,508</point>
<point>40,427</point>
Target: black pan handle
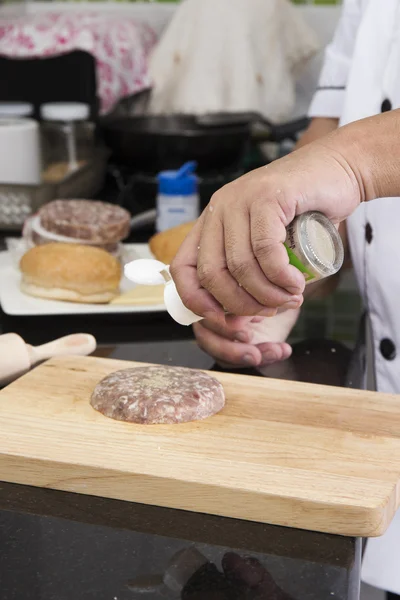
<point>288,131</point>
<point>272,133</point>
<point>227,119</point>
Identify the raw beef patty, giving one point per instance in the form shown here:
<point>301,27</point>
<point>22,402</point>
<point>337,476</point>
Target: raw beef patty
<point>158,394</point>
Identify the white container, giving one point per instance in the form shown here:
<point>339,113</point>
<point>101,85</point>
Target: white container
<point>20,161</point>
<point>16,110</point>
<point>178,199</point>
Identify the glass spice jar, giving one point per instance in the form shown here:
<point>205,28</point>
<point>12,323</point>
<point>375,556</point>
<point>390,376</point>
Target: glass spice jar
<point>67,138</point>
<point>314,246</point>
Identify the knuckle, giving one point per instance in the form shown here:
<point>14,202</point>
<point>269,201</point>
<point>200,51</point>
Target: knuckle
<point>239,307</point>
<point>208,276</point>
<point>262,247</point>
<point>216,198</point>
<point>238,268</point>
<point>263,250</point>
<point>275,275</point>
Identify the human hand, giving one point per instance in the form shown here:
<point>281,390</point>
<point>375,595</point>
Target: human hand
<point>247,341</point>
<point>251,580</point>
<point>244,578</point>
<point>234,258</point>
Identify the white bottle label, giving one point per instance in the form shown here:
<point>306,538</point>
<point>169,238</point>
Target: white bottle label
<point>175,210</point>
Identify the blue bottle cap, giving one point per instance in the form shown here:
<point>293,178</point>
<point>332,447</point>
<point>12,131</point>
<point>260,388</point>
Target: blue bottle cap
<point>178,183</point>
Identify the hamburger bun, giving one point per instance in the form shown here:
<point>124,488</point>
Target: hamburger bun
<point>70,272</point>
<point>166,244</point>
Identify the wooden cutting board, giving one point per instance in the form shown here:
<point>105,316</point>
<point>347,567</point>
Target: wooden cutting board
<point>305,456</point>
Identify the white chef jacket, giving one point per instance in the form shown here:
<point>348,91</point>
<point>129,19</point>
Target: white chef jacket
<point>361,78</point>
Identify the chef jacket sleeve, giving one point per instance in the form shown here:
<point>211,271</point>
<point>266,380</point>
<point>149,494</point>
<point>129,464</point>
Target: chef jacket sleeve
<point>329,97</point>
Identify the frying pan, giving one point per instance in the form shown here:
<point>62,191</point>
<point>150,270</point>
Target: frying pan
<point>150,143</point>
<point>153,143</point>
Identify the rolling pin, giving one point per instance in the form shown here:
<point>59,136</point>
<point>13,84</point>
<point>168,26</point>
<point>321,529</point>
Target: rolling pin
<point>17,357</point>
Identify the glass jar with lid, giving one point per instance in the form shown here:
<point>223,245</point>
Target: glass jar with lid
<point>314,246</point>
<point>67,137</point>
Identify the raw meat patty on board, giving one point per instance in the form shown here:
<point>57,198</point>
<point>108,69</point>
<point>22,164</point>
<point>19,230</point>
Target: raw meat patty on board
<point>158,395</point>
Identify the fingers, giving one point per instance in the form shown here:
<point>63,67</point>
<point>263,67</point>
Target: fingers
<point>273,352</point>
<point>235,329</point>
<point>225,350</point>
<point>184,273</point>
<point>231,344</point>
<point>268,232</point>
<point>248,574</point>
<point>235,261</point>
<point>214,274</point>
<point>244,267</point>
<point>246,570</point>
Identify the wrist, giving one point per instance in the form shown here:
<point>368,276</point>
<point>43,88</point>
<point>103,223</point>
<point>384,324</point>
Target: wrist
<point>370,148</point>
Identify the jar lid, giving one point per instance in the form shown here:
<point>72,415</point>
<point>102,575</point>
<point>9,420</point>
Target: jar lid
<point>65,111</point>
<point>178,183</point>
<point>16,109</point>
<point>321,243</point>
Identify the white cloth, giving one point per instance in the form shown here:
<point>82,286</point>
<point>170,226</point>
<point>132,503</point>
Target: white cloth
<point>362,69</point>
<point>231,55</point>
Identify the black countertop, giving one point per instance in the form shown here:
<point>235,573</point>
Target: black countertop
<point>63,546</point>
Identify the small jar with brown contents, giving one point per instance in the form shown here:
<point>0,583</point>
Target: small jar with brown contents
<point>67,138</point>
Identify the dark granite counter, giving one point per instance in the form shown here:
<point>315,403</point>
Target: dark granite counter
<point>62,546</point>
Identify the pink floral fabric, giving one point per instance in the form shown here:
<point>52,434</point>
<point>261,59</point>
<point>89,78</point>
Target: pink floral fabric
<point>120,45</point>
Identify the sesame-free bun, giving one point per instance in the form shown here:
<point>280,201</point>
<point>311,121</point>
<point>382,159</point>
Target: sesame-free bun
<point>166,244</point>
<point>70,272</point>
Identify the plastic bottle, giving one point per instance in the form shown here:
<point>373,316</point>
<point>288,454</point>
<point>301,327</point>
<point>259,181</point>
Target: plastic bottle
<point>178,198</point>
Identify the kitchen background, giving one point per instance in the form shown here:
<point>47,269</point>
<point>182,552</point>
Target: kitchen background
<point>336,317</point>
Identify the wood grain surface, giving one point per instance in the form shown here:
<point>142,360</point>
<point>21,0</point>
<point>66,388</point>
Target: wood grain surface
<point>311,457</point>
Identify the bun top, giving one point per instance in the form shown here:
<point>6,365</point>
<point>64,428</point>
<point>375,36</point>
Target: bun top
<point>84,269</point>
<point>166,244</point>
<point>87,220</point>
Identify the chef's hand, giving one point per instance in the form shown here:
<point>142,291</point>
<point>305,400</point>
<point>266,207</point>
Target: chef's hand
<point>247,341</point>
<point>251,580</point>
<point>234,258</point>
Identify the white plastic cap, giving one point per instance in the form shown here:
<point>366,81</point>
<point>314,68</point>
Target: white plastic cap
<point>16,109</point>
<point>147,271</point>
<point>176,308</point>
<point>65,111</point>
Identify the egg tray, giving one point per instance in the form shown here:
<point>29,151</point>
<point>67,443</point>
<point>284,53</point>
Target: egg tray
<point>17,202</point>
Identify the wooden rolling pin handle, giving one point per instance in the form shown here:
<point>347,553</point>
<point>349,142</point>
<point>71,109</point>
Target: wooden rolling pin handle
<point>14,358</point>
<point>17,357</point>
<point>78,344</point>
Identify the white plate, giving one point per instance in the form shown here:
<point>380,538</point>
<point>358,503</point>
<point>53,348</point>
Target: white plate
<point>15,303</point>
